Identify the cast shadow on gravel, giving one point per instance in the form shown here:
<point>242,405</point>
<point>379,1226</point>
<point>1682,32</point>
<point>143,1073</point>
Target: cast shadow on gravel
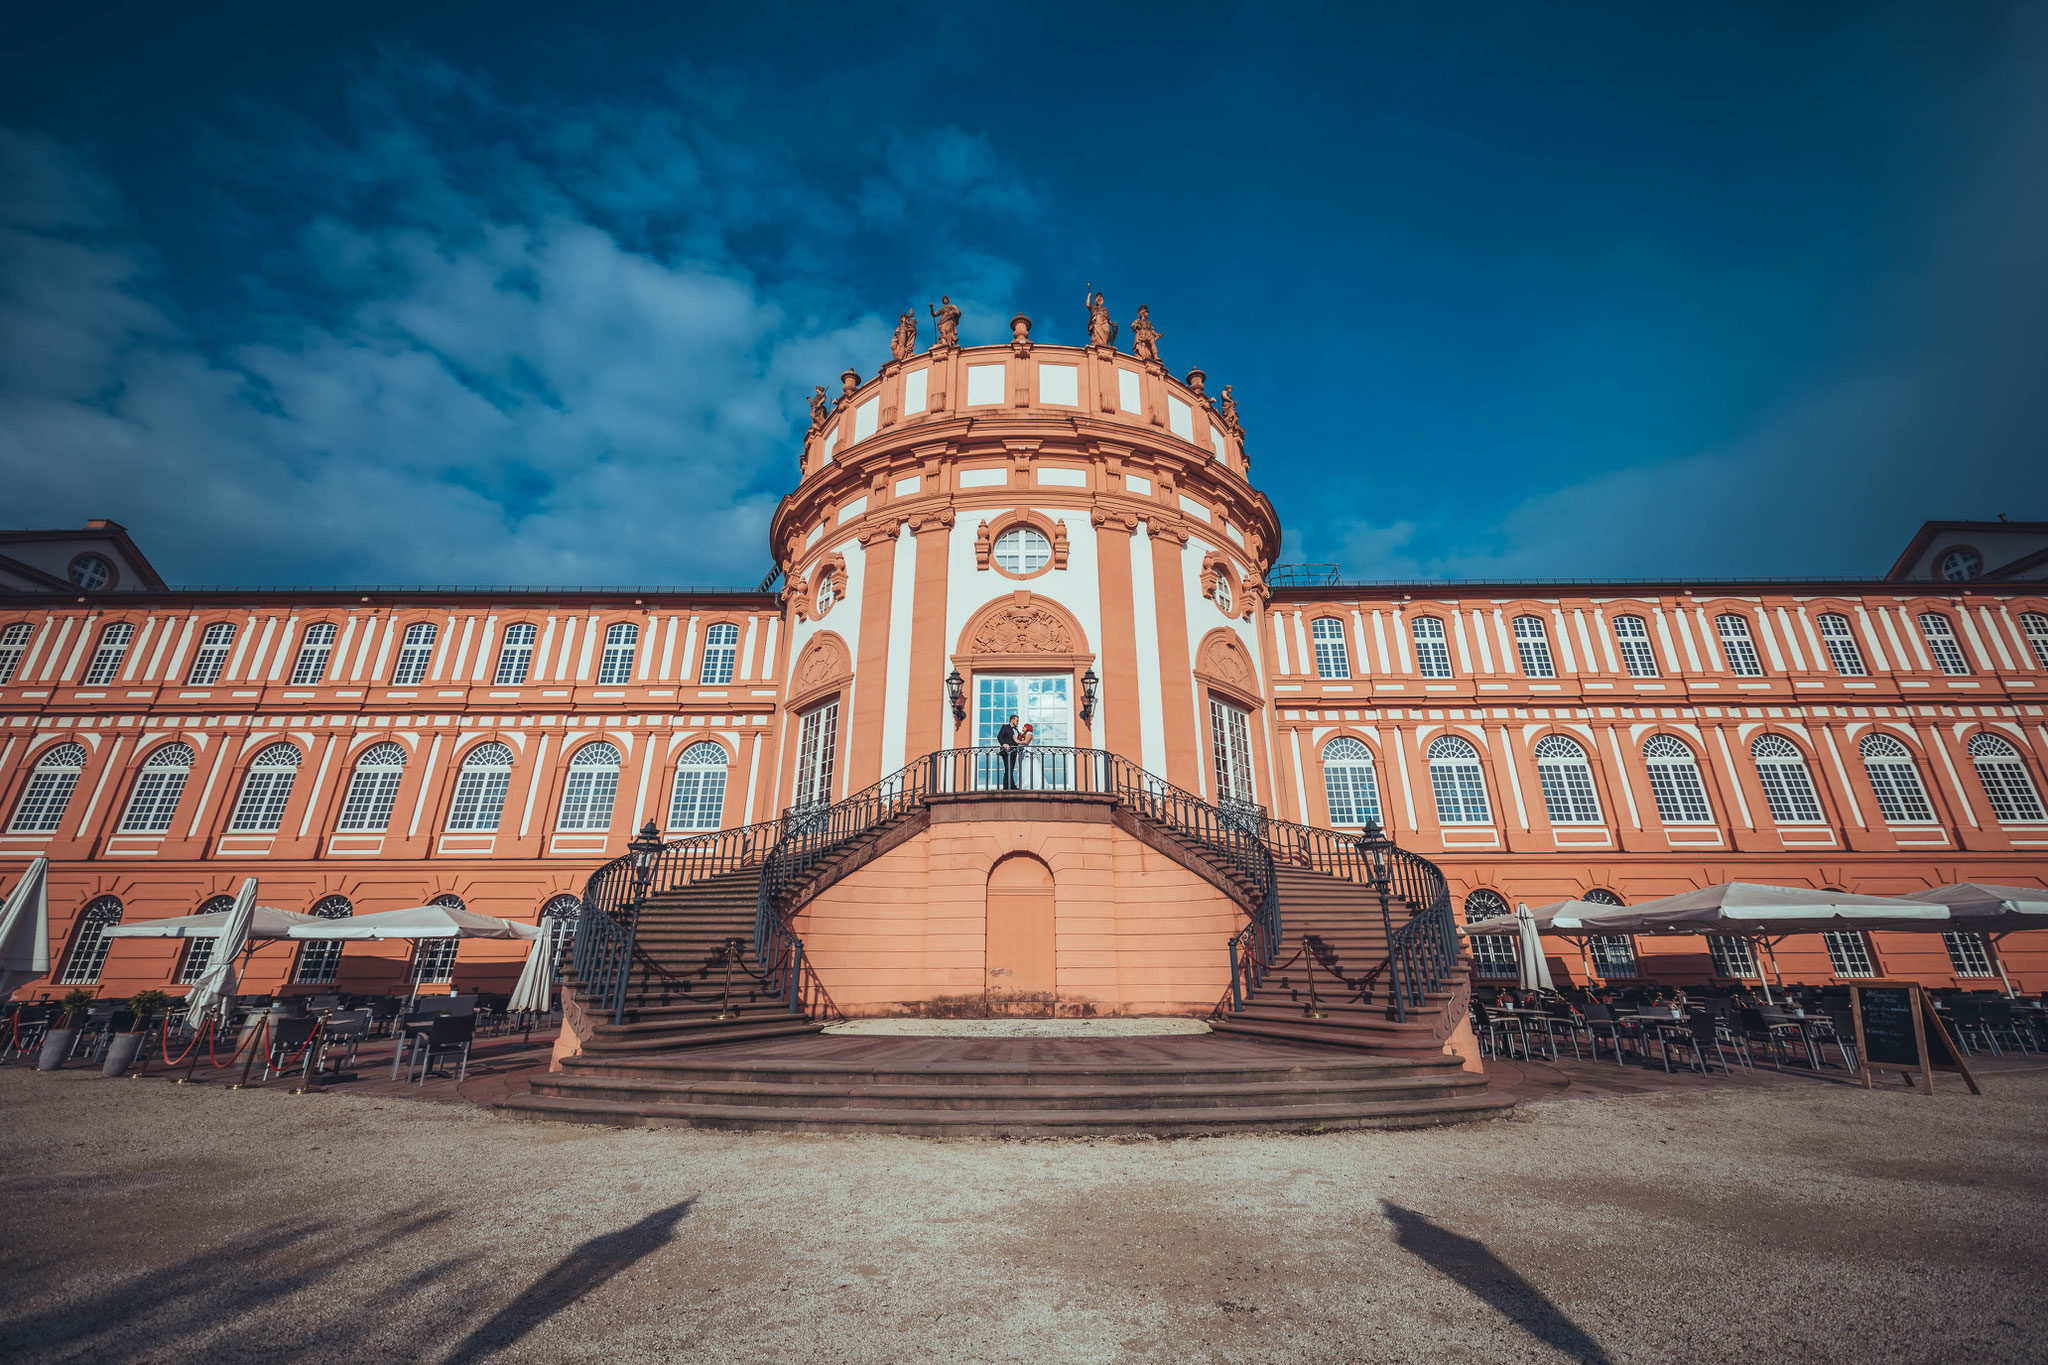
<point>583,1270</point>
<point>1488,1278</point>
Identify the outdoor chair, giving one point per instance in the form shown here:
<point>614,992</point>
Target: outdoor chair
<point>1558,1015</point>
<point>1699,1032</point>
<point>1494,1030</point>
<point>33,1022</point>
<point>323,1002</point>
<point>1826,1024</point>
<point>1966,1021</point>
<point>346,1030</point>
<point>383,1012</point>
<point>447,1036</point>
<point>282,1045</point>
<point>1999,1020</point>
<point>1775,1036</point>
<point>1599,1018</point>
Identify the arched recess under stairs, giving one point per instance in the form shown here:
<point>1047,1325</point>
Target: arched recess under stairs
<point>1021,905</point>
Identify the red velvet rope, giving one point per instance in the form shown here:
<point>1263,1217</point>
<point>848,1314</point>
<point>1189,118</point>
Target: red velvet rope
<point>262,1027</point>
<point>291,1061</point>
<point>205,1029</point>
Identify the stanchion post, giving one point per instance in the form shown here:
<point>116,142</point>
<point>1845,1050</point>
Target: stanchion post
<point>309,1079</point>
<point>262,1032</point>
<point>191,1072</point>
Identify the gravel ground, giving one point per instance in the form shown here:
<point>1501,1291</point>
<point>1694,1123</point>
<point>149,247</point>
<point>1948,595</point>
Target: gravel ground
<point>151,1223</point>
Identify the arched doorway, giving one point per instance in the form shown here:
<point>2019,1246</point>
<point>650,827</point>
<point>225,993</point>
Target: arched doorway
<point>1020,926</point>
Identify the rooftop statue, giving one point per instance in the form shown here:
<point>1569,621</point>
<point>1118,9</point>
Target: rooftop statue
<point>903,345</point>
<point>1144,337</point>
<point>1226,408</point>
<point>949,322</point>
<point>1101,331</point>
<point>820,408</point>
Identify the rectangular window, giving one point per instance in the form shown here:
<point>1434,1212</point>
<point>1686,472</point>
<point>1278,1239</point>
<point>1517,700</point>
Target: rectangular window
<point>319,961</point>
<point>515,656</point>
<point>1849,952</point>
<point>721,648</point>
<point>1180,420</point>
<point>413,656</point>
<point>866,417</point>
<point>479,799</point>
<point>1738,646</point>
<point>1533,647</point>
<point>1613,955</point>
<point>1332,659</point>
<point>621,642</point>
<point>13,644</point>
<point>434,960</point>
<point>106,660</point>
<point>1733,957</point>
<point>1493,956</point>
<point>212,655</point>
<point>1969,954</point>
<point>198,957</point>
<point>264,796</point>
<point>1942,644</point>
<point>984,385</point>
<point>1432,653</point>
<point>817,743</point>
<point>2034,623</point>
<point>1843,651</point>
<point>1632,633</point>
<point>1127,391</point>
<point>1059,384</point>
<point>914,391</point>
<point>311,665</point>
<point>1231,742</point>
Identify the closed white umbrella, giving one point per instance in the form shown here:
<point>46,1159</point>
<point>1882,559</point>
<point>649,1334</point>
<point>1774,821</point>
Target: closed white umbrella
<point>217,982</point>
<point>25,930</point>
<point>1532,968</point>
<point>535,991</point>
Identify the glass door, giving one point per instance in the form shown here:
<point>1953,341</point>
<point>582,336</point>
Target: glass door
<point>817,739</point>
<point>1045,702</point>
<point>1231,739</point>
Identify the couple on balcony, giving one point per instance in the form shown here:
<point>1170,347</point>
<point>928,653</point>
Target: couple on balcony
<point>1012,739</point>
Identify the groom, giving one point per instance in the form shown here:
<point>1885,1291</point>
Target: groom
<point>1013,748</point>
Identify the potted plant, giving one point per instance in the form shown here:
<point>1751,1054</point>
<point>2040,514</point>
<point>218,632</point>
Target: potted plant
<point>57,1042</point>
<point>122,1047</point>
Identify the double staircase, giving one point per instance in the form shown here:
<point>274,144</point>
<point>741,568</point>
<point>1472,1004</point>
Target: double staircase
<point>697,1008</point>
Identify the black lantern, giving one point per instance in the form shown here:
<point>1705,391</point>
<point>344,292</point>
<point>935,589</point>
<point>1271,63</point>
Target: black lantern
<point>1377,849</point>
<point>1089,682</point>
<point>644,848</point>
<point>956,692</point>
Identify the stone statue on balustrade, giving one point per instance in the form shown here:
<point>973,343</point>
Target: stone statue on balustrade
<point>949,322</point>
<point>1101,330</point>
<point>1226,408</point>
<point>903,345</point>
<point>820,408</point>
<point>1145,338</point>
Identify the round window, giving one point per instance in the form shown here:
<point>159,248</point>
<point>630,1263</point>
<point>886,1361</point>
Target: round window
<point>1961,564</point>
<point>91,572</point>
<point>1220,594</point>
<point>1022,550</point>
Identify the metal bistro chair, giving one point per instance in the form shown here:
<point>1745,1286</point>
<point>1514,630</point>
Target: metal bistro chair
<point>1999,1020</point>
<point>1965,1019</point>
<point>287,1035</point>
<point>1754,1026</point>
<point>346,1030</point>
<point>410,1029</point>
<point>1598,1019</point>
<point>1494,1030</point>
<point>1699,1032</point>
<point>448,1036</point>
<point>1558,1014</point>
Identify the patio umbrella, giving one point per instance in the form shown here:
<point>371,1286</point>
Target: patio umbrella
<point>1534,970</point>
<point>265,922</point>
<point>217,982</point>
<point>1994,911</point>
<point>535,991</point>
<point>417,922</point>
<point>25,930</point>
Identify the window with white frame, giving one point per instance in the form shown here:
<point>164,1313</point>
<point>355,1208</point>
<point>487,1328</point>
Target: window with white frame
<point>14,643</point>
<point>1632,633</point>
<point>106,660</point>
<point>558,921</point>
<point>1432,653</point>
<point>592,786</point>
<point>320,958</point>
<point>1333,660</point>
<point>621,642</point>
<point>1849,952</point>
<point>157,789</point>
<point>198,955</point>
<point>515,655</point>
<point>91,572</point>
<point>1843,651</point>
<point>1940,635</point>
<point>48,790</point>
<point>480,789</point>
<point>1738,646</point>
<point>1493,955</point>
<point>434,961</point>
<point>1675,782</point>
<point>1961,564</point>
<point>1788,786</point>
<point>374,789</point>
<point>817,743</point>
<point>1567,780</point>
<point>1532,646</point>
<point>1733,957</point>
<point>698,801</point>
<point>266,790</point>
<point>1901,799</point>
<point>2007,784</point>
<point>1969,954</point>
<point>721,648</point>
<point>414,653</point>
<point>89,945</point>
<point>2033,623</point>
<point>1022,550</point>
<point>212,656</point>
<point>314,648</point>
<point>1459,785</point>
<point>1230,745</point>
<point>1349,783</point>
<point>1614,955</point>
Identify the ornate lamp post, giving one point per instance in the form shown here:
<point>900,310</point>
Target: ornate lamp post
<point>956,692</point>
<point>646,846</point>
<point>1089,682</point>
<point>1377,851</point>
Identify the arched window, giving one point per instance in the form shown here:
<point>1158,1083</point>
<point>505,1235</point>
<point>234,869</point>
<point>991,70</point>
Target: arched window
<point>90,943</point>
<point>1219,592</point>
<point>828,593</point>
<point>1675,782</point>
<point>1432,654</point>
<point>14,644</point>
<point>1961,564</point>
<point>1614,955</point>
<point>621,641</point>
<point>320,958</point>
<point>592,785</point>
<point>1492,954</point>
<point>414,653</point>
<point>558,921</point>
<point>265,791</point>
<point>1021,550</point>
<point>434,958</point>
<point>1532,646</point>
<point>1332,659</point>
<point>515,655</point>
<point>1940,635</point>
<point>212,655</point>
<point>1738,646</point>
<point>1632,633</point>
<point>1889,765</point>
<point>1459,785</point>
<point>1567,782</point>
<point>2034,623</point>
<point>157,789</point>
<point>699,798</point>
<point>199,951</point>
<point>106,660</point>
<point>721,648</point>
<point>1348,782</point>
<point>314,649</point>
<point>2007,784</point>
<point>1843,651</point>
<point>48,791</point>
<point>1788,787</point>
<point>480,789</point>
<point>367,807</point>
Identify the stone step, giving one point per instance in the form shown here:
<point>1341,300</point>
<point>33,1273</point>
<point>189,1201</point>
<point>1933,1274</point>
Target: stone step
<point>1320,1033</point>
<point>617,1041</point>
<point>750,1065</point>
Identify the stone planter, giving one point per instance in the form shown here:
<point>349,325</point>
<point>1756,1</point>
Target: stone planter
<point>121,1050</point>
<point>56,1048</point>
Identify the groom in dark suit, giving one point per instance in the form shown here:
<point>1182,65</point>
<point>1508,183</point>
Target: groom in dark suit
<point>1013,748</point>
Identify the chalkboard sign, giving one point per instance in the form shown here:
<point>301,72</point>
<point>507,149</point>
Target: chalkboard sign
<point>1897,1027</point>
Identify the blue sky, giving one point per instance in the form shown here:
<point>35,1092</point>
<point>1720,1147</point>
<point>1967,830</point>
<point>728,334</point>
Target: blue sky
<point>532,294</point>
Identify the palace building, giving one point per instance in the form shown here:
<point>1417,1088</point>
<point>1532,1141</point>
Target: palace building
<point>1071,534</point>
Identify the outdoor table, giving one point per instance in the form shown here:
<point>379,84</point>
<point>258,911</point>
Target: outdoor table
<point>1803,1024</point>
